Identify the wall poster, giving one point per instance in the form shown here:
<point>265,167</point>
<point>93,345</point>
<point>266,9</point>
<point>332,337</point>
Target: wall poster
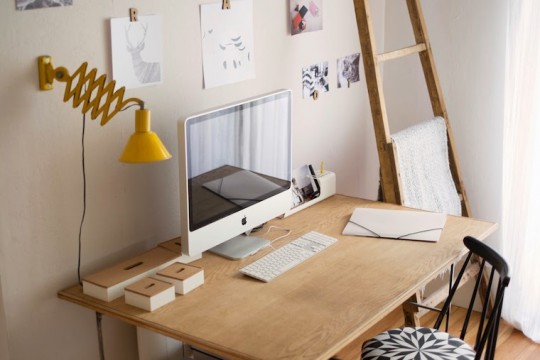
<point>306,15</point>
<point>227,43</point>
<point>315,78</point>
<point>40,4</point>
<point>348,70</point>
<point>137,51</point>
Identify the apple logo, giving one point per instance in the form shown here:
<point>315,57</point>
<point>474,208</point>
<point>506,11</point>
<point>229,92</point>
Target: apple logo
<point>244,220</point>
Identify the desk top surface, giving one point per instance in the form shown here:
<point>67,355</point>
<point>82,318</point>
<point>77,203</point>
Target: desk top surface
<point>316,308</point>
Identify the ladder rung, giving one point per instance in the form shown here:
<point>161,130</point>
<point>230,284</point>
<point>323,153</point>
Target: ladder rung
<point>401,52</point>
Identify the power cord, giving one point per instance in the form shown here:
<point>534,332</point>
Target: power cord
<point>98,315</point>
<point>84,189</point>
<point>84,199</point>
<point>278,228</point>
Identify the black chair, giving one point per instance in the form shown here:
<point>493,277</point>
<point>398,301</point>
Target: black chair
<point>432,343</point>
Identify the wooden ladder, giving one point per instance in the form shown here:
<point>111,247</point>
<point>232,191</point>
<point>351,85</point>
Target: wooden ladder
<point>389,167</point>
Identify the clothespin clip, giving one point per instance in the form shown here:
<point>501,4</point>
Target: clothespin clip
<point>348,82</point>
<point>315,94</point>
<point>226,5</point>
<point>133,14</point>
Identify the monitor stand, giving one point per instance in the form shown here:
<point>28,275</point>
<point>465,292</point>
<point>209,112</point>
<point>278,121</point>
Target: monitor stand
<point>240,247</point>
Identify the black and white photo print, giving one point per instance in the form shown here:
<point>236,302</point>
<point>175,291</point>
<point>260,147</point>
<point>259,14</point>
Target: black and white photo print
<point>315,78</point>
<point>39,4</point>
<point>348,70</point>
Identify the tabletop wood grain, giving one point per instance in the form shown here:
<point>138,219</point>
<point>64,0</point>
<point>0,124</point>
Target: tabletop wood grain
<point>316,308</point>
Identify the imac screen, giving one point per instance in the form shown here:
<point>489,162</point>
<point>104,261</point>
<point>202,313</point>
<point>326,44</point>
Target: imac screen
<point>236,157</point>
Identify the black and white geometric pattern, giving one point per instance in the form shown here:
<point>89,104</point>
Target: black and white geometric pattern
<point>416,344</point>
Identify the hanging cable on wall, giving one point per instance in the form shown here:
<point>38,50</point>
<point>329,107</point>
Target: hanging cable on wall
<point>84,198</point>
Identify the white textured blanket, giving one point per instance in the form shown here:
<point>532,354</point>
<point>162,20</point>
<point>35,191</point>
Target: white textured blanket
<point>426,180</point>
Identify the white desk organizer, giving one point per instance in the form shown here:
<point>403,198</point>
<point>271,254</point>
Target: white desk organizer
<point>327,185</point>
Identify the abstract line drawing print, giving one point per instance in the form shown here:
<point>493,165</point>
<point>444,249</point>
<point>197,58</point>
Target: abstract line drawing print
<point>232,51</point>
<point>348,70</point>
<point>315,77</point>
<point>146,72</point>
<point>227,43</point>
<point>137,51</point>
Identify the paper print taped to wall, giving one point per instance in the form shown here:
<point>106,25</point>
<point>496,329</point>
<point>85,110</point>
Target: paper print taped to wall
<point>348,70</point>
<point>39,4</point>
<point>306,15</point>
<point>315,77</point>
<point>227,43</point>
<point>137,51</point>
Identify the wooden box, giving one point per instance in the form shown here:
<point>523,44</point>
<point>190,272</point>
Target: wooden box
<point>108,284</point>
<point>175,246</point>
<point>184,277</point>
<point>149,294</point>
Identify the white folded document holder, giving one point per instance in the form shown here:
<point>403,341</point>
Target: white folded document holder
<point>396,224</point>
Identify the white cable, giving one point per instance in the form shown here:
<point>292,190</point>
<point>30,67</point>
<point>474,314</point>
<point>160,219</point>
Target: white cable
<point>273,227</point>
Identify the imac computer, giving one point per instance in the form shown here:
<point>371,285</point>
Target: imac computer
<point>235,174</point>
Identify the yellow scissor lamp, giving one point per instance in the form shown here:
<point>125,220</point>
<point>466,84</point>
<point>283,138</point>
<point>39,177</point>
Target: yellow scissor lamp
<point>144,145</point>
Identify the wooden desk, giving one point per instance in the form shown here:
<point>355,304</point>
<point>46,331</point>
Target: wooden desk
<point>312,311</point>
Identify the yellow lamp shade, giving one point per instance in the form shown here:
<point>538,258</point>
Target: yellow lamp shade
<point>144,145</point>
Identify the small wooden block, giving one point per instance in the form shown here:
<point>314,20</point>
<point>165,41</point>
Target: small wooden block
<point>108,284</point>
<point>175,246</point>
<point>184,277</point>
<point>149,294</point>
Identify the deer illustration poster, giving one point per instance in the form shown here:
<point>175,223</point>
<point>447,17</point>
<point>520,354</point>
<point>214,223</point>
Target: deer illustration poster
<point>137,51</point>
<point>227,43</point>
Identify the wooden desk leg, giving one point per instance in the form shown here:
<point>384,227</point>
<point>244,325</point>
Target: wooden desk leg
<point>100,336</point>
<point>410,310</point>
<point>187,352</point>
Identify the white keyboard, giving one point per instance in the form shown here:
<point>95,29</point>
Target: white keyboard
<point>286,257</point>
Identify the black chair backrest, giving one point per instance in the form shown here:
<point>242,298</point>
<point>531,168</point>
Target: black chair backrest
<point>488,327</point>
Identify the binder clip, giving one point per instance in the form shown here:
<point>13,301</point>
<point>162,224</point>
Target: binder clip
<point>133,14</point>
<point>226,5</point>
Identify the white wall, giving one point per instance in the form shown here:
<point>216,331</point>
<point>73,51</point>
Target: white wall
<point>133,207</point>
<point>475,83</point>
<point>468,40</point>
<point>4,354</point>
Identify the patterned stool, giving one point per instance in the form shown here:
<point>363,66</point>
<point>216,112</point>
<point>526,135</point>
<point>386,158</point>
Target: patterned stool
<point>416,344</point>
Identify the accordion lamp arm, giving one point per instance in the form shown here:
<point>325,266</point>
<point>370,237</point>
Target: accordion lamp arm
<point>94,95</point>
